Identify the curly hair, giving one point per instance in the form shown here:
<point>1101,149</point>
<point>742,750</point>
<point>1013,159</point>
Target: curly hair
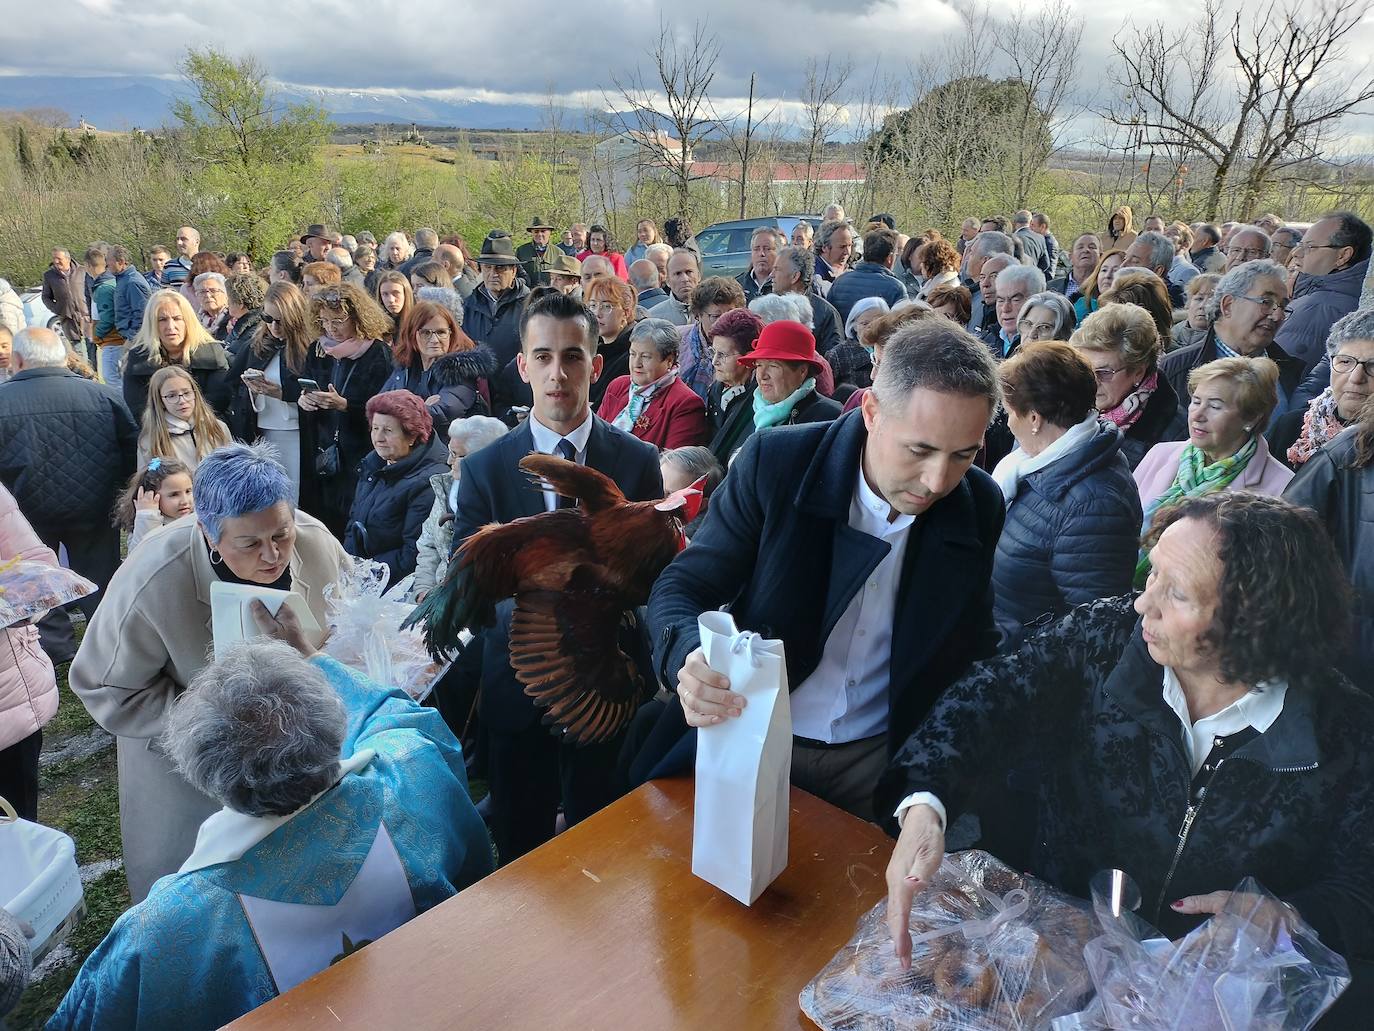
<point>938,256</point>
<point>207,261</point>
<point>246,289</point>
<point>1284,602</point>
<point>369,321</point>
<point>407,409</point>
<point>957,295</point>
<point>608,241</point>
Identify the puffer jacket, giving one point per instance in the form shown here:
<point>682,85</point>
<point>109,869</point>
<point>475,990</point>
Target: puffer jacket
<point>866,279</point>
<point>1343,496</point>
<point>208,365</point>
<point>1071,537</point>
<point>1317,302</point>
<point>390,507</point>
<point>1294,807</point>
<point>496,321</point>
<point>453,378</point>
<point>436,538</point>
<point>67,447</point>
<point>28,688</point>
<point>241,336</point>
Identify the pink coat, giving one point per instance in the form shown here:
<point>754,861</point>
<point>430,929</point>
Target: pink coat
<point>1155,474</point>
<point>28,687</point>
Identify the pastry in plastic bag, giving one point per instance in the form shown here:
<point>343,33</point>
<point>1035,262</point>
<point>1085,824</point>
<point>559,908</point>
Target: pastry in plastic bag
<point>365,620</point>
<point>992,950</point>
<point>28,589</point>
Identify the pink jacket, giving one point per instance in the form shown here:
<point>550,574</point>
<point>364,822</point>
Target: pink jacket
<point>28,687</point>
<point>1155,474</point>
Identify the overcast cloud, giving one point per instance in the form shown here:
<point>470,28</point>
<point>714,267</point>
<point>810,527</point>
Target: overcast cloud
<point>503,50</point>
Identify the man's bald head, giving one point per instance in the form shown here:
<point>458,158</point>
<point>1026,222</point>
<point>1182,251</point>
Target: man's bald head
<point>38,348</point>
<point>594,265</point>
<point>451,258</point>
<point>643,274</point>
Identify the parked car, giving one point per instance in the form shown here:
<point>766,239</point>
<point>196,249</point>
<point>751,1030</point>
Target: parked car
<point>36,312</point>
<point>725,245</point>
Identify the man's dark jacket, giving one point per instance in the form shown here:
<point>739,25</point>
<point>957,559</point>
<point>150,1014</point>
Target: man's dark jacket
<point>421,255</point>
<point>67,446</point>
<point>1176,366</point>
<point>777,548</point>
<point>866,279</point>
<point>496,321</point>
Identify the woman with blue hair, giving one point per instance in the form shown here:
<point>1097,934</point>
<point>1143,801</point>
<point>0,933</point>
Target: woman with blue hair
<point>152,634</point>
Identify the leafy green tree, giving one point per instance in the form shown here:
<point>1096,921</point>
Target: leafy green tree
<point>256,159</point>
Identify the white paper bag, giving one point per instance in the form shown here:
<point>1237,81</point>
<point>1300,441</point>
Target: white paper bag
<point>231,620</point>
<point>744,766</point>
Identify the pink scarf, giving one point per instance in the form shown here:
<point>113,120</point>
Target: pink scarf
<point>1321,424</point>
<point>344,349</point>
<point>1132,406</point>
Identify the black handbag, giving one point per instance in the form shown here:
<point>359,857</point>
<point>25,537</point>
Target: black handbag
<point>327,460</point>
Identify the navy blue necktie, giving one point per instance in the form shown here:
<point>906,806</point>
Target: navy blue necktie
<point>567,452</point>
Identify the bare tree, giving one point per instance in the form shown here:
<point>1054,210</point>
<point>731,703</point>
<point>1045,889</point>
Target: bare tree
<point>743,143</point>
<point>674,95</point>
<point>823,113</point>
<point>1249,96</point>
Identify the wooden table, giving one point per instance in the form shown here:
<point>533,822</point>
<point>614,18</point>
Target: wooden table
<point>606,928</point>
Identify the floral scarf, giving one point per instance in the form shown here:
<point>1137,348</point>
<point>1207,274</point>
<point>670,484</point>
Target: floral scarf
<point>766,414</point>
<point>639,399</point>
<point>1321,424</point>
<point>344,349</point>
<point>1132,406</point>
<point>1194,479</point>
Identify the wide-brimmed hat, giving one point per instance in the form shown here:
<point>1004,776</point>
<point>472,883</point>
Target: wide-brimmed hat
<point>538,223</point>
<point>564,265</point>
<point>784,342</point>
<point>497,250</point>
<point>321,231</point>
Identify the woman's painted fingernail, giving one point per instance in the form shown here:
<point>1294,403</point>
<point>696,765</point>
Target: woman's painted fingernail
<point>1176,905</point>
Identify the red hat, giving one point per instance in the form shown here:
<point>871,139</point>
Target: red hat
<point>784,341</point>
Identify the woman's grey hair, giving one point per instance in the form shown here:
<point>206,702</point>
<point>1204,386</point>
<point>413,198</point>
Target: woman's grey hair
<point>696,461</point>
<point>238,479</point>
<point>1241,280</point>
<point>1064,317</point>
<point>934,354</point>
<point>863,304</point>
<point>655,249</point>
<point>445,297</point>
<point>1358,325</point>
<point>1026,277</point>
<point>476,431</point>
<point>659,332</point>
<point>783,308</point>
<point>397,235</point>
<point>259,730</point>
<point>207,277</point>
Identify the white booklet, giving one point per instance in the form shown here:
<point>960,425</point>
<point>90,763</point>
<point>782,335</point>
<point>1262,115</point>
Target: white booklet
<point>232,620</point>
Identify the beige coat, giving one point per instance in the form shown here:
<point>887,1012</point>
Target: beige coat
<point>149,637</point>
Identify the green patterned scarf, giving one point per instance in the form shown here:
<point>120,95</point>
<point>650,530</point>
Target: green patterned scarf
<point>1194,479</point>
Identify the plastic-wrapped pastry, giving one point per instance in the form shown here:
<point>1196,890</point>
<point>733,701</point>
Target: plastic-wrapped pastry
<point>29,589</point>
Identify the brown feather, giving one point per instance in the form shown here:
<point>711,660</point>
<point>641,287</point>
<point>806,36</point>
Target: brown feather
<point>595,490</point>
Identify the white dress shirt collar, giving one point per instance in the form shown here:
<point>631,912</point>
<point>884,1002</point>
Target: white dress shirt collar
<point>874,511</point>
<point>546,440</point>
<point>1259,708</point>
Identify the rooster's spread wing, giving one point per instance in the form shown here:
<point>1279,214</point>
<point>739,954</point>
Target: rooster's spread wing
<point>594,489</point>
<point>565,649</point>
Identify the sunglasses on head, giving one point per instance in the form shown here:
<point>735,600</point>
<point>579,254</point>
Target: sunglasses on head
<point>332,299</point>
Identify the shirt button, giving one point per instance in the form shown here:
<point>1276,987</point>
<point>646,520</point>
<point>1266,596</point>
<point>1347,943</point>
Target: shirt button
<point>873,585</point>
<point>852,683</point>
<point>862,632</point>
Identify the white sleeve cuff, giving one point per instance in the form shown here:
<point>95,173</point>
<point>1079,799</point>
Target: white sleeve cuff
<point>921,798</point>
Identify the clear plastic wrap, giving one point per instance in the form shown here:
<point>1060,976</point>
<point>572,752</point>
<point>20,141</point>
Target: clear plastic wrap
<point>1255,966</point>
<point>992,950</point>
<point>365,620</point>
<point>29,589</point>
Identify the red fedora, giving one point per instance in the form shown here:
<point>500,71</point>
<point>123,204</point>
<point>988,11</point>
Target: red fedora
<point>784,342</point>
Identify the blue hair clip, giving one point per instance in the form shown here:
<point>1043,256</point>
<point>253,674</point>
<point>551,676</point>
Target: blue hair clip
<point>155,465</point>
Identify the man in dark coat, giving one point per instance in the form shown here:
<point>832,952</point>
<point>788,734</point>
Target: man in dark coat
<point>794,273</point>
<point>426,240</point>
<point>892,602</point>
<point>1033,245</point>
<point>764,244</point>
<point>67,447</point>
<point>871,277</point>
<point>61,296</point>
<point>530,770</point>
<point>539,253</point>
<point>1335,260</point>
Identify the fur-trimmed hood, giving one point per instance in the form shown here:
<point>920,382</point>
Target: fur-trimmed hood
<point>464,366</point>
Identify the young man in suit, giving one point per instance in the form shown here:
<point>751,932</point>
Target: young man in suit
<point>530,771</point>
<point>866,546</point>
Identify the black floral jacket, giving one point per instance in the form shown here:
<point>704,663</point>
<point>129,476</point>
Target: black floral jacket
<point>1294,807</point>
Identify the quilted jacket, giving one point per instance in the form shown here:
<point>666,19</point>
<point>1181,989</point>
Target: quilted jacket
<point>28,689</point>
<point>1293,808</point>
<point>1071,536</point>
<point>67,446</point>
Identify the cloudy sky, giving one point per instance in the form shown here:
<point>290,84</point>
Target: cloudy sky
<point>518,51</point>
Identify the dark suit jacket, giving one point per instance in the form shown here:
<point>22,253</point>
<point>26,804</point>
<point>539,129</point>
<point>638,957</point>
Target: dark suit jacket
<point>777,548</point>
<point>1176,365</point>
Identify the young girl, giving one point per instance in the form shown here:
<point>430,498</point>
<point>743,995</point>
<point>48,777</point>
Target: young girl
<point>177,422</point>
<point>158,493</point>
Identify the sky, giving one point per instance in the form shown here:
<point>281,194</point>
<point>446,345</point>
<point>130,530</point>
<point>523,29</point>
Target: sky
<point>521,51</point>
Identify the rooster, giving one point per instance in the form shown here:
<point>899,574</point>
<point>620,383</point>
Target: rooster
<point>576,575</point>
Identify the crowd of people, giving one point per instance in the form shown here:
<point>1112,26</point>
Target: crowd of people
<point>986,489</point>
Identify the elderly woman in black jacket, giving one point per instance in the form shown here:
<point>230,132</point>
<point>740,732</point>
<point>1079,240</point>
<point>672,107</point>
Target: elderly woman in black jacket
<point>1121,344</point>
<point>394,495</point>
<point>1073,510</point>
<point>1200,739</point>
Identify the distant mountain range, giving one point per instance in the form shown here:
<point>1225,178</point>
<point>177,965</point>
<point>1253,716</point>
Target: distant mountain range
<point>145,102</point>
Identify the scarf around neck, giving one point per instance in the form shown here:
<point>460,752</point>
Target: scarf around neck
<point>1193,480</point>
<point>1018,465</point>
<point>176,427</point>
<point>1321,424</point>
<point>344,349</point>
<point>639,399</point>
<point>766,414</point>
<point>1132,406</point>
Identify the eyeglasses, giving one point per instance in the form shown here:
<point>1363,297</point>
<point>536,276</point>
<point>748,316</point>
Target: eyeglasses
<point>720,357</point>
<point>183,395</point>
<point>1248,253</point>
<point>1266,304</point>
<point>434,334</point>
<point>1105,375</point>
<point>268,320</point>
<point>1305,246</point>
<point>1344,363</point>
<point>603,308</point>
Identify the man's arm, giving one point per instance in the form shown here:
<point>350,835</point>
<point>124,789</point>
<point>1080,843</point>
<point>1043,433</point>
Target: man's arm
<point>475,508</point>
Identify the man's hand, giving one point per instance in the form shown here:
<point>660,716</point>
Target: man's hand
<point>284,626</point>
<point>705,694</point>
<point>920,848</point>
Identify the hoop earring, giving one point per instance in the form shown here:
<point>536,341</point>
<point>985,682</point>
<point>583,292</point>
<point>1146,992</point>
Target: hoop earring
<point>215,557</point>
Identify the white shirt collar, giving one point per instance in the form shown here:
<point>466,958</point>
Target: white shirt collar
<point>546,440</point>
<point>1259,708</point>
<point>876,510</point>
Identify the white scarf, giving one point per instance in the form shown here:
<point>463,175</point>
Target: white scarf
<point>176,427</point>
<point>1018,465</point>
